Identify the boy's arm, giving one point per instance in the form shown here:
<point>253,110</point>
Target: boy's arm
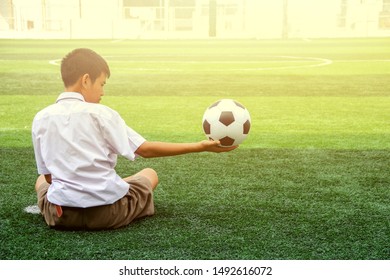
<point>163,149</point>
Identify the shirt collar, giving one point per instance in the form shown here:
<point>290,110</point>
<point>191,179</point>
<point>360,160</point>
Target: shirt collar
<point>70,96</point>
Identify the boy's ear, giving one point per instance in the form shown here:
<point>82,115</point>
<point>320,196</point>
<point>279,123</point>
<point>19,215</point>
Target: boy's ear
<point>85,80</point>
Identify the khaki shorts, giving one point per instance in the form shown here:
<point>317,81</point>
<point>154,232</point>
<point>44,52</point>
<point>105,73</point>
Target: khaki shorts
<point>137,203</point>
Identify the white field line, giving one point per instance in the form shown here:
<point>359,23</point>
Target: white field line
<point>55,62</point>
<point>2,129</point>
<point>363,60</point>
<point>318,62</point>
<point>313,62</point>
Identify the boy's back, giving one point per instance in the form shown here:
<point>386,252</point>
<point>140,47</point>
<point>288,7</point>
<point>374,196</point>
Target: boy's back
<point>83,141</point>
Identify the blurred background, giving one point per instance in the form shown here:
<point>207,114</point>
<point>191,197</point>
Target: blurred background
<point>193,19</point>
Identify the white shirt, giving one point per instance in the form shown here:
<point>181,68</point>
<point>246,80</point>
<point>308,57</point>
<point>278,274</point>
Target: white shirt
<point>77,143</point>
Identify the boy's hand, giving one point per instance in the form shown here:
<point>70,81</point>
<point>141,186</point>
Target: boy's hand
<point>215,146</point>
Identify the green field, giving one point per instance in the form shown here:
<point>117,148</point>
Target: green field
<point>312,180</point>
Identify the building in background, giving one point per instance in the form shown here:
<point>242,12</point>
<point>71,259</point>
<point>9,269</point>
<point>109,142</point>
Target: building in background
<point>193,19</point>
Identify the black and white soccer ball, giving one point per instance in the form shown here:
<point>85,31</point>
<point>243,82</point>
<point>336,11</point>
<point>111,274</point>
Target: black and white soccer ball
<point>227,121</point>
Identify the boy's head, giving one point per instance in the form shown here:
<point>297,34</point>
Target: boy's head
<point>82,69</point>
<point>82,61</point>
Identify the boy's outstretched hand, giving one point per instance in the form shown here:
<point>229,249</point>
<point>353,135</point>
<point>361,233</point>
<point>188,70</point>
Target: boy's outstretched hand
<point>163,149</point>
<point>215,146</point>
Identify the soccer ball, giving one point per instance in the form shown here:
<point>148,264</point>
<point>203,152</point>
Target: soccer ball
<point>227,121</point>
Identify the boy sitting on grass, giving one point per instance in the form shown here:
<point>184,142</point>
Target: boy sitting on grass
<point>76,144</point>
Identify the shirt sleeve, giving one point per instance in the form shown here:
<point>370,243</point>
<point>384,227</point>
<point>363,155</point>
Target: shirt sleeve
<point>135,139</point>
<point>122,139</point>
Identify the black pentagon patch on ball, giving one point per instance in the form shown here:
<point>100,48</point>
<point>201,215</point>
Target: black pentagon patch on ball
<point>226,118</point>
<point>215,104</point>
<point>226,141</point>
<point>247,126</point>
<point>206,127</point>
<point>239,104</point>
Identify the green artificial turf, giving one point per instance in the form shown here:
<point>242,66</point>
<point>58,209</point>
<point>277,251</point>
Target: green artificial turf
<point>310,182</point>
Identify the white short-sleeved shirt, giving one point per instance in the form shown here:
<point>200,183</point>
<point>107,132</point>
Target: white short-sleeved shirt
<point>77,143</point>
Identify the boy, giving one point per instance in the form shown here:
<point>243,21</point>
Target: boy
<point>76,143</point>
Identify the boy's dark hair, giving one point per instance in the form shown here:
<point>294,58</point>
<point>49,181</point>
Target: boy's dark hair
<point>82,61</point>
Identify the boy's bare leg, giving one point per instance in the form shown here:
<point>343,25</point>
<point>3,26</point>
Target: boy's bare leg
<point>40,180</point>
<point>148,173</point>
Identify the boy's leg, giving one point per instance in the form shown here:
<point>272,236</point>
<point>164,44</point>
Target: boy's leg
<point>148,173</point>
<point>40,180</point>
<point>137,203</point>
<point>47,209</point>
